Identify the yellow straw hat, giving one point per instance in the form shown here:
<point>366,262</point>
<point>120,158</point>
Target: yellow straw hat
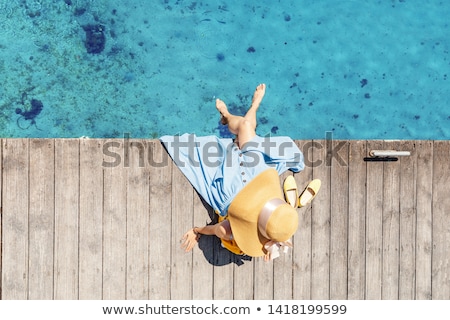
<point>259,216</point>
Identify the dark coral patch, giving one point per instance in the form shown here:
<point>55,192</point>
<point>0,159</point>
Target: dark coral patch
<point>220,57</point>
<point>36,108</point>
<point>79,12</point>
<point>363,82</point>
<point>30,114</point>
<point>95,38</point>
<point>263,120</point>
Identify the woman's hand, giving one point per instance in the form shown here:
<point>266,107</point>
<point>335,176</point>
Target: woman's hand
<point>190,239</point>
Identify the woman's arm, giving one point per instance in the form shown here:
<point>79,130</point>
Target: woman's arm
<point>221,230</point>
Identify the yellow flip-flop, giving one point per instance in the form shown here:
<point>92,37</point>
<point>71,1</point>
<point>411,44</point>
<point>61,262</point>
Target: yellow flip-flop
<point>291,191</point>
<point>309,193</point>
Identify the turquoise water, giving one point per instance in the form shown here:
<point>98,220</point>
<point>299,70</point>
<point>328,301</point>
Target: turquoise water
<point>358,69</point>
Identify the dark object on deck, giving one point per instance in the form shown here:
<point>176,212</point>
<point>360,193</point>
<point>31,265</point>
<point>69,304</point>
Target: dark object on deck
<point>380,159</point>
<point>95,38</point>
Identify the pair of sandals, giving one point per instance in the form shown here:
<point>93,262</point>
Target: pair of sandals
<point>291,192</point>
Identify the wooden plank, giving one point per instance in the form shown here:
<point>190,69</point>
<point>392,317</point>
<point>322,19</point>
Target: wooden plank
<point>91,220</point>
<point>339,220</point>
<point>441,221</point>
<point>114,221</point>
<point>161,199</point>
<point>282,273</point>
<point>15,219</point>
<point>424,224</point>
<point>42,218</point>
<point>203,270</point>
<point>374,224</point>
<point>182,218</point>
<point>356,220</point>
<point>302,239</point>
<point>137,220</point>
<point>408,217</point>
<point>243,279</point>
<point>320,277</point>
<point>223,273</point>
<point>391,225</point>
<point>263,280</point>
<point>66,219</point>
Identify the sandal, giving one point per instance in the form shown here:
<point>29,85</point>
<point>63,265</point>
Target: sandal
<point>291,191</point>
<point>309,193</point>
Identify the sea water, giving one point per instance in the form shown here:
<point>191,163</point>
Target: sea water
<point>109,68</point>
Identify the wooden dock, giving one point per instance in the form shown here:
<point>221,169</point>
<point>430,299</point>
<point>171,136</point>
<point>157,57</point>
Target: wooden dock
<point>102,219</point>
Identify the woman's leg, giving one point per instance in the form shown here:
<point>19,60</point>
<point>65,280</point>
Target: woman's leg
<point>243,127</point>
<point>256,101</point>
<point>229,119</point>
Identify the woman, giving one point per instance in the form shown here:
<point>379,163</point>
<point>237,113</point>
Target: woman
<point>240,180</point>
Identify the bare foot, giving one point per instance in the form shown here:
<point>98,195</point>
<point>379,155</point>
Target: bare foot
<point>258,95</point>
<point>222,108</point>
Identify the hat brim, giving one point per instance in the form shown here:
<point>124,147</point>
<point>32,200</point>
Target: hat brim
<point>244,211</point>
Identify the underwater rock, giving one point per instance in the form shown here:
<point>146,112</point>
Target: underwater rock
<point>31,114</point>
<point>220,57</point>
<point>79,12</point>
<point>363,82</point>
<point>95,38</point>
<point>36,108</point>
